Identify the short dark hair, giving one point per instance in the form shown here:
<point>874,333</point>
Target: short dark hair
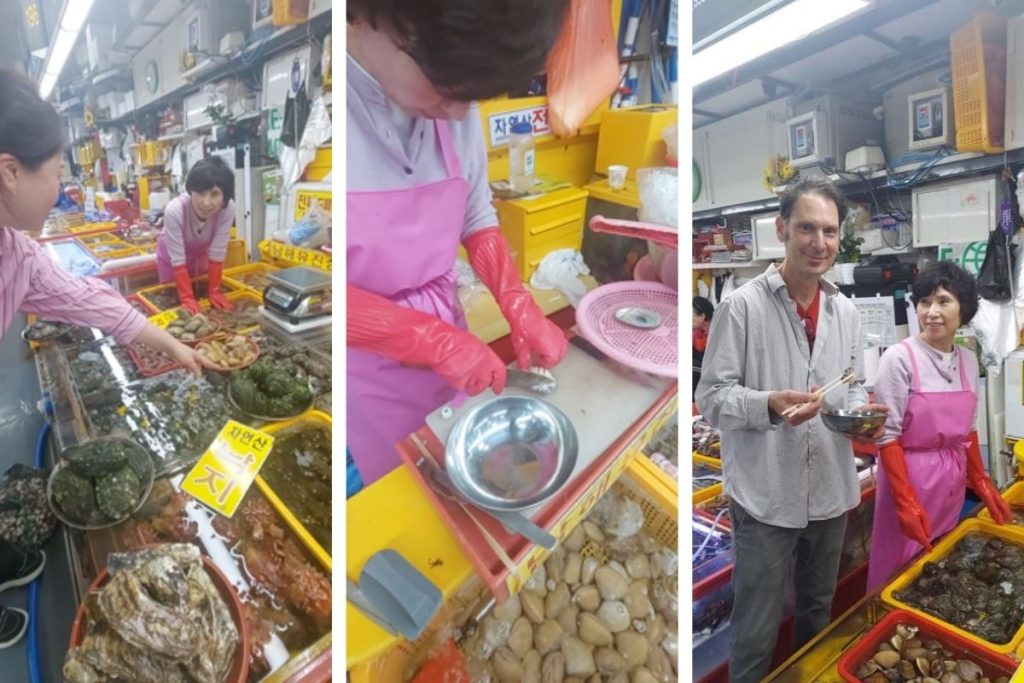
<point>210,172</point>
<point>469,49</point>
<point>819,186</point>
<point>702,306</point>
<point>952,278</point>
<point>30,128</point>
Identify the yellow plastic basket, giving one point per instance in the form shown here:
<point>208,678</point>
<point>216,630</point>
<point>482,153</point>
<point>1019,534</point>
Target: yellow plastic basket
<point>314,417</point>
<point>1013,496</point>
<point>1007,533</point>
<point>978,57</point>
<point>233,275</point>
<point>701,495</point>
<point>661,521</point>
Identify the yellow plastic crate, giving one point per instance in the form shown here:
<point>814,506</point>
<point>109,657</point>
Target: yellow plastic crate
<point>1013,496</point>
<point>1009,533</point>
<point>536,227</point>
<point>710,492</point>
<point>232,276</point>
<point>978,57</point>
<point>92,227</point>
<point>314,417</point>
<point>661,521</point>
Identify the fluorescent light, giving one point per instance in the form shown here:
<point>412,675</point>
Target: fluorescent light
<point>786,24</point>
<point>72,18</point>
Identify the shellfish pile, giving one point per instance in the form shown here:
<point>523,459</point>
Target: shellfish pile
<point>905,657</point>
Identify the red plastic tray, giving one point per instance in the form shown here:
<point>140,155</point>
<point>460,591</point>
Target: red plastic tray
<point>992,664</point>
<point>147,369</point>
<point>145,305</point>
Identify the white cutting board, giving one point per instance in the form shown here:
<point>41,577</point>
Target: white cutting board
<point>602,399</point>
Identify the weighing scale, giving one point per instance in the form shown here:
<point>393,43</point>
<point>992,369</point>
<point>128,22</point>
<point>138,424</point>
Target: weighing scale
<point>298,299</point>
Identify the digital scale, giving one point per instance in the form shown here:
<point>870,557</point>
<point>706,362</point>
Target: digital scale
<point>298,299</point>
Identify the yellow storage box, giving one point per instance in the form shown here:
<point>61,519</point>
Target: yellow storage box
<point>632,137</point>
<point>536,227</point>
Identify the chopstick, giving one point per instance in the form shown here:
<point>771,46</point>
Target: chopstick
<point>488,537</point>
<point>845,378</point>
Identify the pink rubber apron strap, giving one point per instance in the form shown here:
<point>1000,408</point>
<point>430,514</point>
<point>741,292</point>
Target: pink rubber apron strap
<point>402,244</point>
<point>936,423</point>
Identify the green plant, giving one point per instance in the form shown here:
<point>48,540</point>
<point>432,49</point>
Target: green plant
<point>849,248</point>
<point>217,114</point>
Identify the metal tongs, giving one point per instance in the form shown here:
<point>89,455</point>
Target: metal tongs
<point>846,378</point>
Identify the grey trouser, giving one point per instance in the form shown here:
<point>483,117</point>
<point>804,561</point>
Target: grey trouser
<point>763,558</point>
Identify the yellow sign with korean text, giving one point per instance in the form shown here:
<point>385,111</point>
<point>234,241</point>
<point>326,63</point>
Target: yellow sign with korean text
<point>162,320</point>
<point>228,468</point>
<point>300,257</point>
<point>304,200</point>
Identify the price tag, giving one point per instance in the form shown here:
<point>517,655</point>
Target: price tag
<point>228,468</point>
<point>162,320</point>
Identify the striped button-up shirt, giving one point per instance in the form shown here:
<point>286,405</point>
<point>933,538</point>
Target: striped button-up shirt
<point>781,475</point>
<point>31,282</point>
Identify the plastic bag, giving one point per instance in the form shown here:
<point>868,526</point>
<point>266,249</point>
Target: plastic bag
<point>994,278</point>
<point>312,230</point>
<point>583,67</point>
<point>317,131</point>
<point>25,518</point>
<point>561,270</point>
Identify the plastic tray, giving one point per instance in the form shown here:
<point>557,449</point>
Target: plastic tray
<point>1011,534</point>
<point>992,665</point>
<point>231,275</point>
<point>711,491</point>
<point>143,303</point>
<point>661,515</point>
<point>148,369</point>
<point>317,418</point>
<point>1014,496</point>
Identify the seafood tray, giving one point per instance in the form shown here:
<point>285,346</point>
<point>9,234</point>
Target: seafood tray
<point>711,550</point>
<point>997,668</point>
<point>710,507</point>
<point>89,241</point>
<point>99,370</point>
<point>707,478</point>
<point>991,564</point>
<point>164,297</point>
<point>296,479</point>
<point>1014,496</point>
<point>297,358</point>
<point>650,511</point>
<point>174,416</point>
<point>244,318</point>
<point>140,305</point>
<point>706,439</point>
<point>285,591</point>
<point>150,362</point>
<point>251,277</point>
<point>711,611</point>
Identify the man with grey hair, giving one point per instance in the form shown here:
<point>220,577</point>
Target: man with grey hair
<point>790,480</point>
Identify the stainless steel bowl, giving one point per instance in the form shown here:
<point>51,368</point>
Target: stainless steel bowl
<point>511,452</point>
<point>853,422</point>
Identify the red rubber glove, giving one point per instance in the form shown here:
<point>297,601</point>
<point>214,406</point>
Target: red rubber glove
<point>979,482</point>
<point>531,331</point>
<point>416,338</point>
<point>913,518</point>
<point>184,283</point>
<point>217,298</point>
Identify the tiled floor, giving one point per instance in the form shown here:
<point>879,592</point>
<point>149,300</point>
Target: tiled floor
<point>20,423</point>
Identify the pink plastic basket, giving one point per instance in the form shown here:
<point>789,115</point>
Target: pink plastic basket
<point>655,351</point>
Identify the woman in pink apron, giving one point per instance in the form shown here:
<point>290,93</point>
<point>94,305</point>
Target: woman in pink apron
<point>197,226</point>
<point>930,452</point>
<point>417,188</point>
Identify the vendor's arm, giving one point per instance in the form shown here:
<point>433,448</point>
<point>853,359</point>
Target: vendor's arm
<point>721,395</point>
<point>892,388</point>
<point>218,250</point>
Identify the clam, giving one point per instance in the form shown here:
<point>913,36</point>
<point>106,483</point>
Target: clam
<point>659,664</point>
<point>552,668</point>
<point>924,666</point>
<point>547,636</point>
<point>538,583</point>
<point>611,584</point>
<point>642,675</point>
<point>567,619</point>
<point>507,665</point>
<point>587,597</point>
<point>906,631</point>
<point>590,565</point>
<point>637,602</point>
<point>950,677</point>
<point>531,667</point>
<point>533,607</point>
<point>913,653</point>
<point>520,640</point>
<point>593,532</point>
<point>609,661</point>
<point>633,648</point>
<point>897,642</point>
<point>638,565</point>
<point>556,601</point>
<point>655,629</point>
<point>866,669</point>
<point>620,568</point>
<point>509,611</point>
<point>906,669</point>
<point>573,566</point>
<point>968,670</point>
<point>887,659</point>
<point>579,660</point>
<point>615,615</point>
<point>555,565</point>
<point>574,541</point>
<point>886,647</point>
<point>594,631</point>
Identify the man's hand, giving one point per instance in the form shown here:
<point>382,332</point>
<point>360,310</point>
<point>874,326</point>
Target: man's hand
<point>878,433</point>
<point>781,401</point>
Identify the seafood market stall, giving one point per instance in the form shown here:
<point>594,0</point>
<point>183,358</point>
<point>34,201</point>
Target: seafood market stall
<point>132,436</point>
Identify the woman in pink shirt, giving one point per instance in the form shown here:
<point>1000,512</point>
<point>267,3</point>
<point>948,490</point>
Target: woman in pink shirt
<point>31,145</point>
<point>196,229</point>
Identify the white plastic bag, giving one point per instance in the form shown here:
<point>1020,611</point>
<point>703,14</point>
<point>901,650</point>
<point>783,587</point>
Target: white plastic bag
<point>312,230</point>
<point>561,270</point>
<point>317,132</point>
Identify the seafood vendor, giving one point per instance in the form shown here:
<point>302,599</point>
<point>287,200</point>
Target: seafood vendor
<point>417,188</point>
<point>31,147</point>
<point>197,225</point>
<point>790,481</point>
<point>930,451</point>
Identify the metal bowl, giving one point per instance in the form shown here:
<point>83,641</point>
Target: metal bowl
<point>511,452</point>
<point>853,422</point>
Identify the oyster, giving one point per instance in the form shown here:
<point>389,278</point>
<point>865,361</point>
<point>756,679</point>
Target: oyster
<point>74,494</point>
<point>118,493</point>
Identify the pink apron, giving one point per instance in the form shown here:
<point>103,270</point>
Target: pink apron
<point>402,244</point>
<point>195,250</point>
<point>936,426</point>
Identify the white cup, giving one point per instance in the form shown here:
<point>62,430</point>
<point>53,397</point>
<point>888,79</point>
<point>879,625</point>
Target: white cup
<point>617,176</point>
